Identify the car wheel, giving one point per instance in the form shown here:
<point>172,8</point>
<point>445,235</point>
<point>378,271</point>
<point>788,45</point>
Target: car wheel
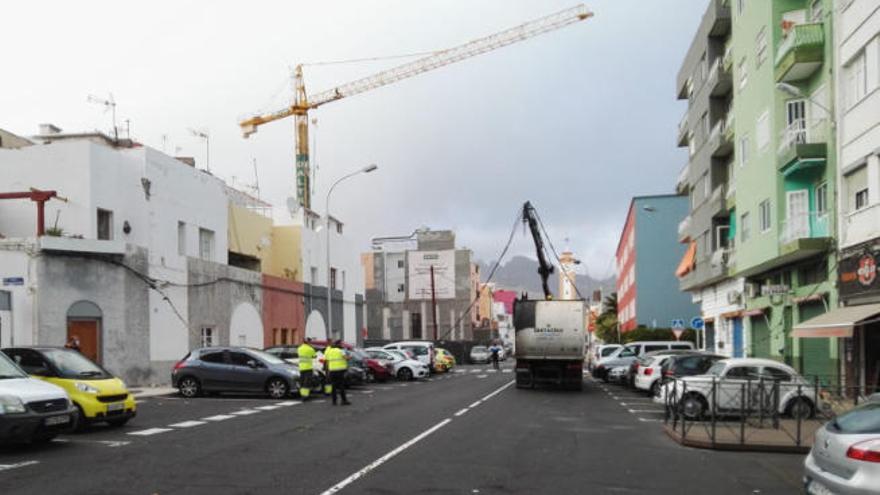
<point>693,407</point>
<point>405,374</point>
<point>117,422</point>
<point>189,387</point>
<point>800,408</point>
<point>655,389</point>
<point>81,420</point>
<point>277,388</point>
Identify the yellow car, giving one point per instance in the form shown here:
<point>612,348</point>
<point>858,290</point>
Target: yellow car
<point>98,395</point>
<point>443,358</point>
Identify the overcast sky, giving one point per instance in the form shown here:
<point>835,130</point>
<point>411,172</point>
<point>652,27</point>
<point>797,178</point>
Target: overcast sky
<point>577,120</point>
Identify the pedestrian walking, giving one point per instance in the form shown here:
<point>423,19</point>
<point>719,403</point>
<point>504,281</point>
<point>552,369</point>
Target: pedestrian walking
<point>306,355</point>
<point>337,363</point>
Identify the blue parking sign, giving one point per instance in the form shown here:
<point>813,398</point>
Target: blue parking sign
<point>697,323</point>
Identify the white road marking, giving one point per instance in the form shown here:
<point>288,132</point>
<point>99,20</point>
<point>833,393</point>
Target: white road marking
<point>642,411</point>
<point>650,420</point>
<point>244,412</point>
<point>482,376</point>
<point>7,467</point>
<point>636,402</point>
<point>385,458</point>
<point>475,371</point>
<point>267,408</point>
<point>507,370</point>
<point>288,403</point>
<point>107,443</point>
<point>497,391</point>
<point>490,370</point>
<point>475,404</point>
<point>462,411</point>
<point>149,431</point>
<point>187,424</point>
<point>219,417</point>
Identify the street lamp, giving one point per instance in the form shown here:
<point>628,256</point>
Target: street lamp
<point>795,92</point>
<point>369,168</point>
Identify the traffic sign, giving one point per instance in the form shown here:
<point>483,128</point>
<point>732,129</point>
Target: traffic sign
<point>678,324</point>
<point>697,323</point>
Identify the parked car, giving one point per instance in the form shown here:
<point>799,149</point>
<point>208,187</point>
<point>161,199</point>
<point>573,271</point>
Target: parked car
<point>443,360</point>
<point>377,370</point>
<point>234,369</point>
<point>600,351</point>
<point>626,355</point>
<point>405,368</point>
<point>289,353</point>
<point>618,374</point>
<point>480,354</point>
<point>97,395</point>
<point>693,394</point>
<point>422,350</point>
<point>663,366</point>
<point>845,457</point>
<point>31,409</point>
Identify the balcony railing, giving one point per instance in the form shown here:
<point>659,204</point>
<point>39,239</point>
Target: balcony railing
<point>727,58</point>
<point>804,226</point>
<point>728,124</point>
<point>803,131</point>
<point>801,52</point>
<point>681,184</point>
<point>683,130</point>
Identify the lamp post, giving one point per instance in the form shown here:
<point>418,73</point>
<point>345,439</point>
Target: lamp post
<point>369,168</point>
<point>795,92</point>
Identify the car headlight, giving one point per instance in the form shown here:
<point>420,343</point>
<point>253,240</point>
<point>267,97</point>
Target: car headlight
<point>85,387</point>
<point>11,405</point>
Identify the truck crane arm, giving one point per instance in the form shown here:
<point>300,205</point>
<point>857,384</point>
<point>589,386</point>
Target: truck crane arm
<point>545,269</point>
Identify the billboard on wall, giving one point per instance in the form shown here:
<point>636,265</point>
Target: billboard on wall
<point>857,271</point>
<point>419,265</point>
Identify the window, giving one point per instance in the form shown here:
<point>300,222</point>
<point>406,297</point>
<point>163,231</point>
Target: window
<point>743,373</point>
<point>333,278</point>
<point>339,228</point>
<point>105,225</point>
<point>207,337</point>
<point>776,374</point>
<point>181,238</point>
<point>213,357</point>
<point>206,244</point>
<point>764,208</point>
<point>399,263</point>
<point>762,131</point>
<point>856,79</point>
<point>400,288</point>
<point>743,73</point>
<point>743,150</point>
<point>240,358</point>
<point>822,199</point>
<point>816,11</point>
<point>861,199</point>
<point>761,47</point>
<point>744,232</point>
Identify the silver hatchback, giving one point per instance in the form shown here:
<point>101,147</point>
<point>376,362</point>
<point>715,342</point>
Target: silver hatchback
<point>845,458</point>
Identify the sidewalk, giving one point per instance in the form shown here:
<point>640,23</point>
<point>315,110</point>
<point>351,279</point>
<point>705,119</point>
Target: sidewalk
<point>787,438</point>
<point>144,392</point>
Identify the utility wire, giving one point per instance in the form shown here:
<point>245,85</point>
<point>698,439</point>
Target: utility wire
<point>370,59</point>
<point>555,255</point>
<point>488,279</point>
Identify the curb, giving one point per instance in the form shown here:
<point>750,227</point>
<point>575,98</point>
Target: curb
<point>727,446</point>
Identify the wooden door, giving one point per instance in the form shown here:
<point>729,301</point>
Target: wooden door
<point>87,332</point>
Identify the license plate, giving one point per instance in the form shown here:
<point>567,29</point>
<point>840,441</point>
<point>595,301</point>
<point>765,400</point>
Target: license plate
<point>816,488</point>
<point>115,407</point>
<point>57,420</point>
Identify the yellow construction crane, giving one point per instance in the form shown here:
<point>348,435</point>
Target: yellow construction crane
<point>302,103</point>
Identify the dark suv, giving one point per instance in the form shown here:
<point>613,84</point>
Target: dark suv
<point>234,369</point>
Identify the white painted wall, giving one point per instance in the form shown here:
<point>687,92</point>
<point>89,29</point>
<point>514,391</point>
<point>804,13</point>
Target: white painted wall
<point>714,303</point>
<point>246,327</point>
<point>16,261</point>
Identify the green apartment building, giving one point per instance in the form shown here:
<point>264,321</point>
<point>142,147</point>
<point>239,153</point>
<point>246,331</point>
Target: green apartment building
<point>782,207</point>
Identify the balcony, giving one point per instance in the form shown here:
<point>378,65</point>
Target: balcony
<point>803,144</point>
<point>728,125</point>
<point>720,80</point>
<point>681,184</point>
<point>683,226</point>
<point>727,59</point>
<point>807,234</point>
<point>77,245</point>
<point>683,131</point>
<point>707,270</point>
<point>800,53</point>
<point>719,142</point>
<point>861,225</point>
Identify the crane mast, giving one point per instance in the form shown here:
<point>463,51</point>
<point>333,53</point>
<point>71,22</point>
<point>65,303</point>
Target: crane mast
<point>303,103</point>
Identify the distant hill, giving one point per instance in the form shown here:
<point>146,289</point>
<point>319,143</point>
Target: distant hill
<point>521,274</point>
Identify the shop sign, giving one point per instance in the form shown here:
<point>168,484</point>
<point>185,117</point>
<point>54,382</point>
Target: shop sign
<point>857,271</point>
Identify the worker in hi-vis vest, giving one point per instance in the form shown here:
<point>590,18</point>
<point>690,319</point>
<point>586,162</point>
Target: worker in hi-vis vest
<point>306,354</point>
<point>337,363</point>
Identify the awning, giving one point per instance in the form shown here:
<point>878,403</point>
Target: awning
<point>687,262</point>
<point>754,312</point>
<point>838,322</point>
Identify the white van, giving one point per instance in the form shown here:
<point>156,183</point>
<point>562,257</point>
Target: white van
<point>626,355</point>
<point>421,350</point>
<point>31,409</point>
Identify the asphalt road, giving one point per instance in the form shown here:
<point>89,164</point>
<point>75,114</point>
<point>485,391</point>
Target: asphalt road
<point>464,433</point>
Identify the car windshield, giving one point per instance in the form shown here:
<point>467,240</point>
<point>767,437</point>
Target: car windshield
<point>626,352</point>
<point>608,351</point>
<point>716,369</point>
<point>479,348</point>
<point>266,357</point>
<point>72,364</point>
<point>8,369</point>
<point>861,420</point>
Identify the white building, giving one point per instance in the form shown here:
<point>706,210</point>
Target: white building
<point>125,222</point>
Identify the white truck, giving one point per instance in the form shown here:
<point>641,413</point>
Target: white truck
<point>550,342</point>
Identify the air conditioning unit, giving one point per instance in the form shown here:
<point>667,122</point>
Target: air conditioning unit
<point>734,297</point>
<point>751,290</point>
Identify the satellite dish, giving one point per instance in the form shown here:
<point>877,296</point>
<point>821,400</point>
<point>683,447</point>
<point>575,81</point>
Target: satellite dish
<point>293,206</point>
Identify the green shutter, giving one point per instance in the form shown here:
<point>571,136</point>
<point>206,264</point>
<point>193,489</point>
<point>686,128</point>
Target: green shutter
<point>760,337</point>
<point>816,358</point>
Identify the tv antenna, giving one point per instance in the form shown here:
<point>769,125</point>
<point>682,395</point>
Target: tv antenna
<point>109,104</point>
<point>204,135</point>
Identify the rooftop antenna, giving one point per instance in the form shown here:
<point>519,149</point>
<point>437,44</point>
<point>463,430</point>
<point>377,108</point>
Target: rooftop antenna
<point>165,143</point>
<point>256,180</point>
<point>204,135</point>
<point>109,104</point>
